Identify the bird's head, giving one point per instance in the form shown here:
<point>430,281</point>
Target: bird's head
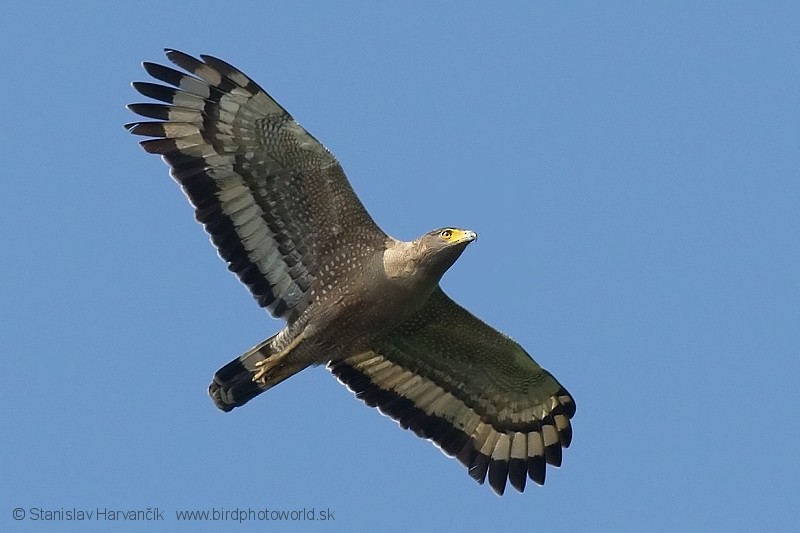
<point>439,249</point>
<point>426,259</point>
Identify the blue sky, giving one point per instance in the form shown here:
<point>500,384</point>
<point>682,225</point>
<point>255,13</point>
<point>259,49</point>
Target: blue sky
<point>632,172</point>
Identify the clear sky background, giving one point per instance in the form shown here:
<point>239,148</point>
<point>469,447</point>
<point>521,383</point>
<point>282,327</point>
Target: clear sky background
<point>631,169</point>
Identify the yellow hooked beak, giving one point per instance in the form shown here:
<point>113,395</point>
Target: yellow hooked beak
<point>457,236</point>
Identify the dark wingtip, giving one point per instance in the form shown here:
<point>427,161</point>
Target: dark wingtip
<point>568,402</point>
<point>157,111</point>
<point>553,455</point>
<point>498,474</point>
<point>173,51</point>
<point>479,468</point>
<point>536,469</point>
<point>517,474</point>
<point>566,436</point>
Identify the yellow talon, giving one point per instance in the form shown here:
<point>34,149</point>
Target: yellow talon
<point>266,365</point>
<point>260,377</point>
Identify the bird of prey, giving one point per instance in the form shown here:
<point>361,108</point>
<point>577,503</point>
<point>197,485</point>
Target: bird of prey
<point>282,214</point>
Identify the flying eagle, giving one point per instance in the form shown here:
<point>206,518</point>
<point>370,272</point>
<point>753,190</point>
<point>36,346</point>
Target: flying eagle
<point>281,213</point>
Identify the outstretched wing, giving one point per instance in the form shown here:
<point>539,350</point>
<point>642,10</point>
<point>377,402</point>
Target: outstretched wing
<point>473,391</point>
<point>275,202</point>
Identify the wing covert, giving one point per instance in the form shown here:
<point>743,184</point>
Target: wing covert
<point>275,202</point>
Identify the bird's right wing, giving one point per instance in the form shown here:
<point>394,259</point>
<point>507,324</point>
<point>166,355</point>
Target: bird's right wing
<point>275,201</point>
<point>473,391</point>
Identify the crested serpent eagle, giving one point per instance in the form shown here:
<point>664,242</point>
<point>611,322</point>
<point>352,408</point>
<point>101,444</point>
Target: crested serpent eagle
<point>281,213</point>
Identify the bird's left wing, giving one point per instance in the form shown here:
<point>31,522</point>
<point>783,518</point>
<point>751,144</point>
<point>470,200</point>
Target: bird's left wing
<point>451,378</point>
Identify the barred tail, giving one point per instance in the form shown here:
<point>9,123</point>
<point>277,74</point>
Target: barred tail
<point>233,384</point>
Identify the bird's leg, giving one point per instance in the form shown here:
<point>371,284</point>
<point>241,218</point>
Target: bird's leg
<point>275,360</point>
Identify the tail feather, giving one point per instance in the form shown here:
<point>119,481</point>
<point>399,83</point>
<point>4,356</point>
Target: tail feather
<point>233,384</point>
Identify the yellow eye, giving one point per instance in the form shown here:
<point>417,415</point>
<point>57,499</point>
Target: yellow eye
<point>446,234</point>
